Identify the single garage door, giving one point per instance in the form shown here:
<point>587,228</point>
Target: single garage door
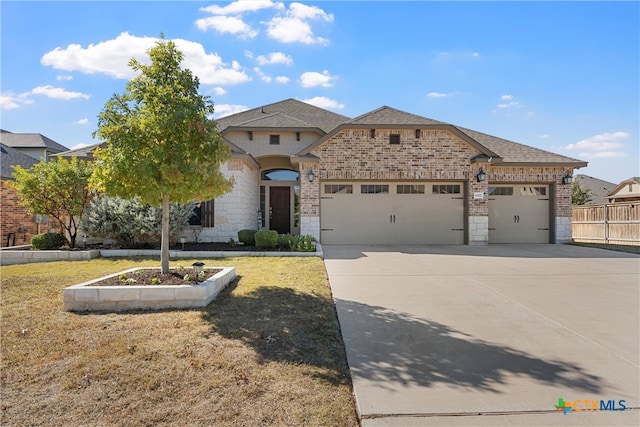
<point>519,213</point>
<point>392,213</point>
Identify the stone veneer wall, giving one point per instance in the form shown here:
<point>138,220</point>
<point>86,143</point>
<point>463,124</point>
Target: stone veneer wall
<point>238,209</point>
<point>437,155</point>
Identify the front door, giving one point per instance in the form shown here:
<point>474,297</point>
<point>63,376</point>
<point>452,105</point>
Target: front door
<point>280,209</point>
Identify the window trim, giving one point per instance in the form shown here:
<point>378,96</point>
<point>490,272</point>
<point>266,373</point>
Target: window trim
<point>274,139</point>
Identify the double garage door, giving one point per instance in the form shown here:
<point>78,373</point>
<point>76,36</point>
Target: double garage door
<point>428,213</point>
<point>392,213</point>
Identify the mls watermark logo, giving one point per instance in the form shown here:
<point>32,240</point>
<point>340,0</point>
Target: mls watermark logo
<point>581,405</point>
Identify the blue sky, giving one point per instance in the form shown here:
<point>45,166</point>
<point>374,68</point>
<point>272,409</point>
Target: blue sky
<point>560,76</point>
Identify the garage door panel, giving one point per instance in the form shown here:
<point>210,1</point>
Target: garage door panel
<point>408,215</point>
<point>518,213</point>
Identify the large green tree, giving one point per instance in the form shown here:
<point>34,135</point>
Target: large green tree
<point>58,189</point>
<point>162,145</point>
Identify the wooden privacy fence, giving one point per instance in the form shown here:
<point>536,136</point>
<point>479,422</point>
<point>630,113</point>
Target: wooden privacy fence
<point>617,224</point>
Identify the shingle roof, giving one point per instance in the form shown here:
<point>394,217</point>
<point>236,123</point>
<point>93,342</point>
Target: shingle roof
<point>632,180</point>
<point>11,157</point>
<point>289,113</point>
<point>514,152</point>
<point>30,140</point>
<point>82,152</point>
<point>598,188</point>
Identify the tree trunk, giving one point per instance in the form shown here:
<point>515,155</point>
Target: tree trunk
<point>164,247</point>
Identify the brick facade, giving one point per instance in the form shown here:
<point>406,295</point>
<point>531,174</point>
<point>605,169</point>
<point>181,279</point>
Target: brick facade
<point>13,216</point>
<point>439,155</point>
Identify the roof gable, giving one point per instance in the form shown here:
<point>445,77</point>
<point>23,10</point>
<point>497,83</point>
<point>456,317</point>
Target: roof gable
<point>290,111</point>
<point>30,140</point>
<point>387,116</point>
<point>617,192</point>
<point>12,157</point>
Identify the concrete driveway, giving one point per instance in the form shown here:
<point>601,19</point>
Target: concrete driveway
<point>460,335</point>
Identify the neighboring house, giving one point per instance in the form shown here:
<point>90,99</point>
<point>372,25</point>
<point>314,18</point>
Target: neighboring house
<point>598,188</point>
<point>627,191</point>
<point>83,153</point>
<point>17,226</point>
<point>386,177</point>
<point>32,144</point>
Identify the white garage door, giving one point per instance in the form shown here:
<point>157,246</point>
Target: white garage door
<point>519,213</point>
<point>392,213</point>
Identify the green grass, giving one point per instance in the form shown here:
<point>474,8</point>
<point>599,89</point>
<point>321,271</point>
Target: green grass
<point>267,351</point>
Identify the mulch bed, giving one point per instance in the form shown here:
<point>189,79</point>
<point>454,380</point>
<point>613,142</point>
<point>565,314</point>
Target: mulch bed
<point>220,246</point>
<point>145,277</point>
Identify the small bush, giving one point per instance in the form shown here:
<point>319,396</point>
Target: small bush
<point>48,241</point>
<point>266,239</point>
<point>306,243</point>
<point>284,241</point>
<point>247,237</point>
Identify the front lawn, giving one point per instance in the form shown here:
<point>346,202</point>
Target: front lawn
<point>267,351</point>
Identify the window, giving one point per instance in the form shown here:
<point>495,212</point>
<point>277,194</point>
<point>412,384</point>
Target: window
<point>533,191</point>
<point>501,191</point>
<point>394,138</point>
<point>446,189</point>
<point>263,205</point>
<point>280,175</point>
<point>338,189</point>
<point>410,189</point>
<point>374,189</point>
<point>274,139</point>
<point>203,214</point>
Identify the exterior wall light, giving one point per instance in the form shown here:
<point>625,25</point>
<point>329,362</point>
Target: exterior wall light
<point>567,178</point>
<point>482,175</point>
<point>311,175</point>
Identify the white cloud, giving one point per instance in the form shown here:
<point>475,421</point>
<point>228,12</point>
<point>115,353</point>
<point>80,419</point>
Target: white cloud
<point>111,57</point>
<point>58,93</point>
<point>437,95</point>
<point>606,145</point>
<point>295,27</point>
<point>242,6</point>
<point>227,24</point>
<point>265,78</point>
<point>64,78</point>
<point>313,78</point>
<point>80,145</point>
<point>219,91</point>
<point>324,102</point>
<point>84,121</point>
<point>544,136</point>
<point>282,80</point>
<point>10,101</point>
<point>603,155</point>
<point>601,142</point>
<point>222,110</point>
<point>274,58</point>
<point>508,102</point>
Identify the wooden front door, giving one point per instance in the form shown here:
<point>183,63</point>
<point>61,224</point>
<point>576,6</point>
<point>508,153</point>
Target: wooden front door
<point>280,209</point>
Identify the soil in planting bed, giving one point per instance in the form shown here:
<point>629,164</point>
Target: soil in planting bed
<point>152,277</point>
<point>220,246</point>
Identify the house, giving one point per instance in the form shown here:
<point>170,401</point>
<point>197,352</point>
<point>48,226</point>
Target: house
<point>385,177</point>
<point>598,188</point>
<point>24,149</point>
<point>32,144</point>
<point>627,191</point>
<point>17,226</point>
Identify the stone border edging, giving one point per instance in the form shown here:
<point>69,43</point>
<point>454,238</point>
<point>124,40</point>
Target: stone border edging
<point>13,257</point>
<point>83,297</point>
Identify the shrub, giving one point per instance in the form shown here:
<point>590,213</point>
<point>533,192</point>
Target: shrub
<point>132,224</point>
<point>266,239</point>
<point>306,243</point>
<point>284,241</point>
<point>247,237</point>
<point>48,241</point>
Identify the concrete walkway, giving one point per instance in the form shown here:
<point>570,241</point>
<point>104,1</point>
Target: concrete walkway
<point>459,335</point>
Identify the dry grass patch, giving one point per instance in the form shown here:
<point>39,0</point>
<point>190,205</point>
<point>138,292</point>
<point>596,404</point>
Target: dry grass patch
<point>267,351</point>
